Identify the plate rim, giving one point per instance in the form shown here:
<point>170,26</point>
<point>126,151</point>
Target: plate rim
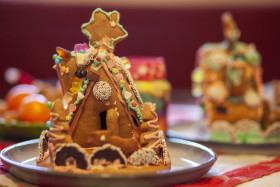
<point>161,173</point>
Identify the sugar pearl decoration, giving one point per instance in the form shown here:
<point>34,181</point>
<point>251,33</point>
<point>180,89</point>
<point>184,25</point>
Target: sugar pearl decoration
<point>89,55</point>
<point>101,90</point>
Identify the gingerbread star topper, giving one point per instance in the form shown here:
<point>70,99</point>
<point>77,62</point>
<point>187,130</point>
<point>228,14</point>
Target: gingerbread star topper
<point>231,31</point>
<point>104,30</point>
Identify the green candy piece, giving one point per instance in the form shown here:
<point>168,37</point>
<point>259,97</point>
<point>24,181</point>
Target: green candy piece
<point>54,56</point>
<point>49,104</point>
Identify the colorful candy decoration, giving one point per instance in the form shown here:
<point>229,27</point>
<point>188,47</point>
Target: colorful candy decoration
<point>63,53</point>
<point>89,56</point>
<point>79,47</point>
<point>76,86</point>
<point>101,91</point>
<point>83,87</point>
<point>49,104</point>
<point>49,124</point>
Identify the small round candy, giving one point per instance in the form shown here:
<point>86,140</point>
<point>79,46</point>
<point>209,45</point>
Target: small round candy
<point>57,61</point>
<point>81,51</point>
<point>49,104</point>
<point>48,123</point>
<point>54,56</point>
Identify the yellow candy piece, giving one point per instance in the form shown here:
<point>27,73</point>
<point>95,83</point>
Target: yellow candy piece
<point>76,86</point>
<point>115,70</point>
<point>197,75</point>
<point>122,81</point>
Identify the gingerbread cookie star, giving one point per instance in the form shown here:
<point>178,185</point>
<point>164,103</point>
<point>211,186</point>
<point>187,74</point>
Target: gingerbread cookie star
<point>104,30</point>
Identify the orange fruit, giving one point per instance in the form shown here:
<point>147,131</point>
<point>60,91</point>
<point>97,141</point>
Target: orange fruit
<point>18,93</point>
<point>33,108</point>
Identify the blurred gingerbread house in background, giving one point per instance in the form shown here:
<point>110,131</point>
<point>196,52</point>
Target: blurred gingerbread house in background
<point>229,77</point>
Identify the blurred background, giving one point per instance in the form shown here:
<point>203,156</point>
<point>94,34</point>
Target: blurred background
<point>30,31</point>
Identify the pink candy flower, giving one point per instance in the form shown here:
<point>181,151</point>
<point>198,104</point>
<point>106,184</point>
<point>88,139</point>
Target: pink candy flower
<point>78,47</point>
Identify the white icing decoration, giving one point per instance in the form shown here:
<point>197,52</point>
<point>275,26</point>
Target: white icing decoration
<point>80,96</point>
<point>127,95</point>
<point>101,90</point>
<point>144,156</point>
<point>120,64</point>
<point>133,87</point>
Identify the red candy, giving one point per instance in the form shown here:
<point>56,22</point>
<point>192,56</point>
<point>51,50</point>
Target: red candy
<point>134,104</point>
<point>98,59</point>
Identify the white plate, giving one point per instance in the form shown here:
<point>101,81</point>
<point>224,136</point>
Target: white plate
<point>189,161</point>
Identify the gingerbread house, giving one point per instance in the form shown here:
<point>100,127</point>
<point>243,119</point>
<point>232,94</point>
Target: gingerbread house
<point>101,119</point>
<point>232,81</point>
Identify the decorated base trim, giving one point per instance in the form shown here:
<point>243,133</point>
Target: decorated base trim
<point>144,156</point>
<point>72,154</point>
<point>42,146</point>
<point>244,131</point>
<point>110,154</point>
